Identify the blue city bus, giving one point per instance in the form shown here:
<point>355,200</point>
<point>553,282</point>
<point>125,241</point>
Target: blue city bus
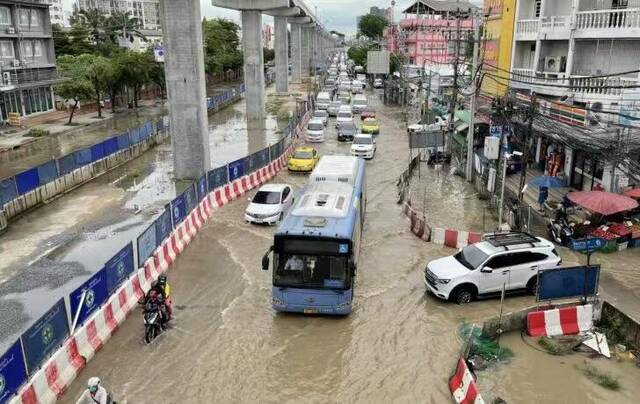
<point>317,245</point>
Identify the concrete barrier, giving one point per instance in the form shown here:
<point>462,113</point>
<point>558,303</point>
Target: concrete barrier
<point>563,321</point>
<point>462,385</point>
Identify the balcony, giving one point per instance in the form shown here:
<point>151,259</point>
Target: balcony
<point>527,30</point>
<point>614,23</point>
<point>583,88</point>
<point>556,27</point>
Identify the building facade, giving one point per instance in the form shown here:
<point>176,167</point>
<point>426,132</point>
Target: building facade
<point>27,58</point>
<point>147,11</point>
<point>58,16</point>
<point>497,44</point>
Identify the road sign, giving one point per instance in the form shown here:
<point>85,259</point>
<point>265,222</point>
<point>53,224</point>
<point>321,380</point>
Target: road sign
<point>158,53</point>
<point>587,244</point>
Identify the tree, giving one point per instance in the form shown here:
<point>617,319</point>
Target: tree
<point>157,77</point>
<point>268,54</point>
<point>94,20</point>
<point>358,55</point>
<point>61,41</point>
<point>123,25</point>
<point>372,26</point>
<point>77,87</point>
<point>99,72</point>
<point>396,60</point>
<point>136,72</point>
<point>221,45</point>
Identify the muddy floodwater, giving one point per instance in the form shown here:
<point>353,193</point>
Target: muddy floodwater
<point>227,345</point>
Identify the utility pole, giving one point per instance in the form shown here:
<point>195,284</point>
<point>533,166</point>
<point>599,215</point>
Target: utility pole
<point>474,87</point>
<point>528,135</point>
<point>454,95</point>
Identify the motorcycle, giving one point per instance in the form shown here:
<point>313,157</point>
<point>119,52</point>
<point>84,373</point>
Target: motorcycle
<point>154,321</point>
<point>560,231</point>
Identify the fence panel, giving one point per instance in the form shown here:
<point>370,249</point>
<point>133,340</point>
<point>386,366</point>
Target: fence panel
<point>45,336</point>
<point>134,136</point>
<point>163,225</point>
<point>47,172</point>
<point>13,372</point>
<point>97,152</point>
<point>217,177</point>
<point>82,157</point>
<point>263,157</point>
<point>202,187</point>
<point>236,169</point>
<point>96,294</point>
<point>119,267</point>
<point>146,243</point>
<point>190,197</point>
<point>67,164</point>
<point>8,190</point>
<point>178,209</point>
<point>123,141</point>
<point>110,146</point>
<point>27,181</point>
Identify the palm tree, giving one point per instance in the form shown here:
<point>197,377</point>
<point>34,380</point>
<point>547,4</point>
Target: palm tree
<point>94,20</point>
<point>124,25</point>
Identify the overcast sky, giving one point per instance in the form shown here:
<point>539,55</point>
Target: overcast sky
<point>339,15</point>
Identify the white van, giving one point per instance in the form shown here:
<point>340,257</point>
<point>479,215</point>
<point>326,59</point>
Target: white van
<point>356,87</point>
<point>359,103</point>
<point>323,100</point>
<point>315,130</point>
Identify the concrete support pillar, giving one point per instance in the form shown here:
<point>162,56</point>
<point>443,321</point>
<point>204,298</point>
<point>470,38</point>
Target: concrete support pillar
<point>253,63</point>
<point>305,51</point>
<point>296,53</point>
<point>186,92</point>
<point>282,58</point>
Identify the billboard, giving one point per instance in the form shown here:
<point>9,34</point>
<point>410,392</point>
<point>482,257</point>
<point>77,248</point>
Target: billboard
<point>563,283</point>
<point>423,140</point>
<point>378,62</point>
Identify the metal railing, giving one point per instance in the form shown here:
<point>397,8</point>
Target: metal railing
<point>608,19</point>
<point>554,23</point>
<point>527,26</point>
<point>25,76</point>
<point>601,85</point>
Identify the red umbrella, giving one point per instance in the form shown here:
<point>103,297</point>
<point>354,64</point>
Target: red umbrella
<point>633,193</point>
<point>605,203</point>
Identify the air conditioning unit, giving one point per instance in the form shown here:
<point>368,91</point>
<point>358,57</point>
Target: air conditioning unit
<point>6,78</point>
<point>15,63</point>
<point>11,30</point>
<point>555,64</point>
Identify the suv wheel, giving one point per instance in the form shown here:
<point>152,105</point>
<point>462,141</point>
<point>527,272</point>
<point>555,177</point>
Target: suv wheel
<point>532,286</point>
<point>463,295</point>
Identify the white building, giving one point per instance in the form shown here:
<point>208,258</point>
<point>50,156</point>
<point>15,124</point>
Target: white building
<point>147,11</point>
<point>58,16</point>
<point>562,43</point>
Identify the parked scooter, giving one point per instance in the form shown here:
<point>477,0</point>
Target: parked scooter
<point>560,230</point>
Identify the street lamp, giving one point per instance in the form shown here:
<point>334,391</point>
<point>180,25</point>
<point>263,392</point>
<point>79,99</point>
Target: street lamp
<point>504,179</point>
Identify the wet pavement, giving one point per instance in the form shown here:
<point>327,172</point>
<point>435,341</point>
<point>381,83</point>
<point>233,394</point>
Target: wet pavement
<point>50,251</point>
<point>398,345</point>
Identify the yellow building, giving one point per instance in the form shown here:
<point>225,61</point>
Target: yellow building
<point>498,32</point>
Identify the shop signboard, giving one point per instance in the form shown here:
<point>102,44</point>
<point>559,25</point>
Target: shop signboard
<point>13,373</point>
<point>587,244</point>
<point>423,140</point>
<point>45,336</point>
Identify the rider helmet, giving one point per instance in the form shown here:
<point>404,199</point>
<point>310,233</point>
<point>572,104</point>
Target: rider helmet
<point>93,384</point>
<point>162,280</point>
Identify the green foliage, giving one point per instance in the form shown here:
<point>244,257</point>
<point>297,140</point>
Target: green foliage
<point>372,26</point>
<point>600,377</point>
<point>268,54</point>
<point>358,55</point>
<point>78,86</point>
<point>482,346</point>
<point>37,132</point>
<point>396,60</point>
<point>221,45</point>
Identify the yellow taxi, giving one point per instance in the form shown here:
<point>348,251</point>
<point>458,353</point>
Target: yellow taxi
<point>370,125</point>
<point>303,159</point>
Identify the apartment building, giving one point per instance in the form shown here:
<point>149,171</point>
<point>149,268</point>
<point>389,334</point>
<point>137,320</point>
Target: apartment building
<point>56,12</point>
<point>147,11</point>
<point>27,58</point>
<point>497,44</point>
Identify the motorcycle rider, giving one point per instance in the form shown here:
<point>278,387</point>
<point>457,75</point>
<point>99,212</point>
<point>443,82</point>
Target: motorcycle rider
<point>154,302</point>
<point>162,287</point>
<point>95,393</point>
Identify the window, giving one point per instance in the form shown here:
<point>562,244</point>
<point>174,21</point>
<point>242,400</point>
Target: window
<point>6,50</point>
<point>35,18</point>
<point>527,257</point>
<point>285,193</point>
<point>5,16</point>
<point>24,17</point>
<point>500,261</point>
<point>37,48</point>
<point>27,49</point>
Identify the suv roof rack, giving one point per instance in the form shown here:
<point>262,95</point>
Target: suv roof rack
<point>510,239</point>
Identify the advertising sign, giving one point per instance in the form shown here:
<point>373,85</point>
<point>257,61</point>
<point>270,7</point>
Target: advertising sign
<point>217,177</point>
<point>178,209</point>
<point>119,267</point>
<point>568,282</point>
<point>378,62</point>
<point>422,140</point>
<point>45,336</point>
<point>587,244</point>
<point>202,187</point>
<point>236,169</point>
<point>96,294</point>
<point>12,372</point>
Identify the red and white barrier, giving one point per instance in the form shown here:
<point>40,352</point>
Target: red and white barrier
<point>57,373</point>
<point>463,386</point>
<point>454,238</point>
<point>417,222</point>
<point>564,321</point>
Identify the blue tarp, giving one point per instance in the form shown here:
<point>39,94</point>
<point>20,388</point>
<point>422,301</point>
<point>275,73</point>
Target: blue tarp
<point>96,295</point>
<point>236,169</point>
<point>82,157</point>
<point>146,244</point>
<point>163,225</point>
<point>217,177</point>
<point>119,267</point>
<point>97,152</point>
<point>67,164</point>
<point>110,146</point>
<point>123,141</point>
<point>45,336</point>
<point>8,190</point>
<point>13,372</point>
<point>47,172</point>
<point>27,181</point>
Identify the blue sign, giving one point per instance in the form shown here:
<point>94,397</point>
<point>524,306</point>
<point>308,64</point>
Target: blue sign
<point>562,283</point>
<point>495,130</point>
<point>27,181</point>
<point>146,244</point>
<point>202,187</point>
<point>96,294</point>
<point>587,244</point>
<point>178,209</point>
<point>190,197</point>
<point>119,267</point>
<point>217,177</point>
<point>12,372</point>
<point>45,336</point>
<point>236,169</point>
<point>163,225</point>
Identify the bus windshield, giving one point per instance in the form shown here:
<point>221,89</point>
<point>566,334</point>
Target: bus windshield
<point>311,271</point>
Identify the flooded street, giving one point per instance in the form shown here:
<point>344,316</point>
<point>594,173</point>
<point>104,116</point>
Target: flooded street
<point>399,345</point>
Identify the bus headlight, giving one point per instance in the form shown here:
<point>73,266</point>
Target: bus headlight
<point>277,302</point>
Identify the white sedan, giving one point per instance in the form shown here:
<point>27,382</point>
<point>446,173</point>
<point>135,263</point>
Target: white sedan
<point>363,146</point>
<point>269,204</point>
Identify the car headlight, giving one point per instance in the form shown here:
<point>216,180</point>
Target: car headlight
<point>443,281</point>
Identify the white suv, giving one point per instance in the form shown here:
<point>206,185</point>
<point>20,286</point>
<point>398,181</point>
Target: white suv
<point>481,269</point>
